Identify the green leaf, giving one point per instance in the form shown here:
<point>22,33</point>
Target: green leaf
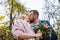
<point>2,17</point>
<point>5,23</point>
<point>2,27</point>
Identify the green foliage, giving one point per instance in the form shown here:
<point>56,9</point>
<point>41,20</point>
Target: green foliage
<point>2,17</point>
<point>5,33</point>
<point>5,23</point>
<point>15,5</point>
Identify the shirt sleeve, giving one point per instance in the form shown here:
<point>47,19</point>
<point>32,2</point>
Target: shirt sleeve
<point>16,29</point>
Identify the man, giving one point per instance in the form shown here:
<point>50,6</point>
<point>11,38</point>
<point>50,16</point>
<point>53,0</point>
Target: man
<point>22,30</point>
<point>33,16</point>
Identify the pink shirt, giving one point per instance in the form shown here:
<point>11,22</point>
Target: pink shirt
<point>21,26</point>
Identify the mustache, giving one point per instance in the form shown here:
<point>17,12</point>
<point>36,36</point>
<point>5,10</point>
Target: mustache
<point>31,21</point>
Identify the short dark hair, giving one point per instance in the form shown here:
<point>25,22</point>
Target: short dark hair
<point>35,12</point>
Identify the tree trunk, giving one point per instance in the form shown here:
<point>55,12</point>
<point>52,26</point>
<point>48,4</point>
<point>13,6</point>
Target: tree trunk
<point>11,11</point>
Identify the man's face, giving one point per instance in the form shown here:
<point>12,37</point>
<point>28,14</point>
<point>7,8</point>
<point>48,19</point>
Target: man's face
<point>31,16</point>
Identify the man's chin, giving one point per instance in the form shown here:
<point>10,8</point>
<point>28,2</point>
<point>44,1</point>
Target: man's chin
<point>31,21</point>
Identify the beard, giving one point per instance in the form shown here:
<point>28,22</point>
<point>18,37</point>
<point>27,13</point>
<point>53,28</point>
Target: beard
<point>31,21</point>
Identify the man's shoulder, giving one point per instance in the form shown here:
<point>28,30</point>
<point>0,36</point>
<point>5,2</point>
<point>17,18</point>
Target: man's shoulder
<point>43,21</point>
<point>46,21</point>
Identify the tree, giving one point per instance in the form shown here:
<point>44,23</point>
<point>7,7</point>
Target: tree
<point>15,6</point>
<point>51,9</point>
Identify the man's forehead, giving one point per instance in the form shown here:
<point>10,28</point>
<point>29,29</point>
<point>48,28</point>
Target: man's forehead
<point>31,13</point>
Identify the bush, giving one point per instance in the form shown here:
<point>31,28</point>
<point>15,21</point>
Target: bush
<point>5,33</point>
